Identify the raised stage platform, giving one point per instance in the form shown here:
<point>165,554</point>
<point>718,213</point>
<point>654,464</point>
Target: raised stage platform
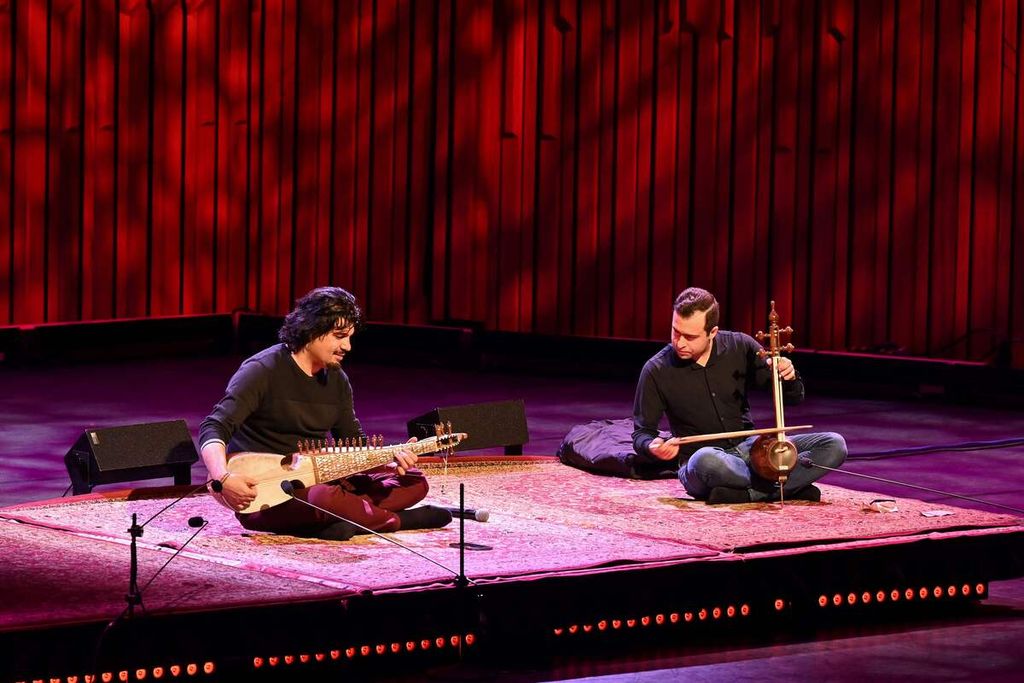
<point>574,560</point>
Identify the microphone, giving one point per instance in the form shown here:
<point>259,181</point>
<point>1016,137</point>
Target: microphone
<point>480,515</point>
<point>196,522</point>
<point>288,487</point>
<point>807,462</point>
<point>214,484</point>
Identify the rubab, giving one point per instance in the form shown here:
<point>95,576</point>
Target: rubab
<point>324,461</point>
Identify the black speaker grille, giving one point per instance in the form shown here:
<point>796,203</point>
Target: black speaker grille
<point>141,445</point>
<point>500,423</point>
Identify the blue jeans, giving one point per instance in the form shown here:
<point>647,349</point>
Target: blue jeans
<point>711,466</point>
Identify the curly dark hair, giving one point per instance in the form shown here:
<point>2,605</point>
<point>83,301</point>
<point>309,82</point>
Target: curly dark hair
<point>318,313</point>
<point>694,299</point>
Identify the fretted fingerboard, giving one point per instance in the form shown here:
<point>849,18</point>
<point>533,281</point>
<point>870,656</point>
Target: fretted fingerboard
<point>339,461</point>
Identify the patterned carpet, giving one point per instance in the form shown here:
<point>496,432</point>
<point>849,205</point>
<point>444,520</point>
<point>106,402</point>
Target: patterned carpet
<point>68,558</point>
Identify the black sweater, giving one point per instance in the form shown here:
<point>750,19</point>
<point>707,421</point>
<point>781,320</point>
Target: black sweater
<point>271,405</point>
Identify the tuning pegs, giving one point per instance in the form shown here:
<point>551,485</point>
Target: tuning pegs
<point>788,348</point>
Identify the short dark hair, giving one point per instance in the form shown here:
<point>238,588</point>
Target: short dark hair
<point>316,314</point>
<point>694,299</point>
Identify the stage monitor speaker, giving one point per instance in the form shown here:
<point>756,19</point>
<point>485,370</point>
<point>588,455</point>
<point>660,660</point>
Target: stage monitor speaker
<point>500,423</point>
<point>131,452</point>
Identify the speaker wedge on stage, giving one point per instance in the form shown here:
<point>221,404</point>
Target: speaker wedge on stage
<point>500,423</point>
<point>106,455</point>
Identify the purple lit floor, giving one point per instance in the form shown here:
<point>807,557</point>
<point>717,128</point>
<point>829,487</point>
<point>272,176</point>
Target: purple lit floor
<point>45,409</point>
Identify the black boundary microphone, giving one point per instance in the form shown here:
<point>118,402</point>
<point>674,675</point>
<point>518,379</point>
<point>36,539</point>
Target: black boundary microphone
<point>215,484</point>
<point>480,515</point>
<point>807,462</point>
<point>288,487</point>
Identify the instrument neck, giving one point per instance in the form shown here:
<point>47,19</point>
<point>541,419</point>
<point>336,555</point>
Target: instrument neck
<point>341,461</point>
<point>780,420</point>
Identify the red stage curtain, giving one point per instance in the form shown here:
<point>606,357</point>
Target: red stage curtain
<point>554,167</point>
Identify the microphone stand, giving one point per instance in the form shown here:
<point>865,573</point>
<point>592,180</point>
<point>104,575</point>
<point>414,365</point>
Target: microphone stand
<point>461,581</point>
<point>807,462</point>
<point>289,488</point>
<point>134,595</point>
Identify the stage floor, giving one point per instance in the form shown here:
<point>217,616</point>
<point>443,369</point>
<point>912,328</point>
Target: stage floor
<point>65,560</point>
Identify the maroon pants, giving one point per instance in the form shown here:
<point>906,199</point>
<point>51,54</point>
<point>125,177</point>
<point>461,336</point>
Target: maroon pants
<point>370,499</point>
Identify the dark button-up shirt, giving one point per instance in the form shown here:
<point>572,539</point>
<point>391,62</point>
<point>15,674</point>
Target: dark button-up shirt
<point>702,399</point>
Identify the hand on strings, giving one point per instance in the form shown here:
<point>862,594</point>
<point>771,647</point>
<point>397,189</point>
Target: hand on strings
<point>663,449</point>
<point>406,459</point>
<point>787,370</point>
<point>238,492</point>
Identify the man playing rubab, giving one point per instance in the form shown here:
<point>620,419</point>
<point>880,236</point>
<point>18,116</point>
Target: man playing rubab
<point>700,382</point>
<point>296,392</point>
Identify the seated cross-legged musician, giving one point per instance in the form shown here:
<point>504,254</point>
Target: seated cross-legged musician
<point>700,382</point>
<point>296,391</point>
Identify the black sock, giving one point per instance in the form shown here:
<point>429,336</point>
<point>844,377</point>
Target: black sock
<point>424,517</point>
<point>809,492</point>
<point>339,531</point>
<point>723,495</point>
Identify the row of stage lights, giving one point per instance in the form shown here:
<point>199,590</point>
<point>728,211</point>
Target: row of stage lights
<point>142,674</point>
<point>717,613</point>
<point>379,649</point>
<point>906,595</point>
<point>702,614</point>
<point>271,661</point>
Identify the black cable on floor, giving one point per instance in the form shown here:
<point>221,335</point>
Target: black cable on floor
<point>922,450</point>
